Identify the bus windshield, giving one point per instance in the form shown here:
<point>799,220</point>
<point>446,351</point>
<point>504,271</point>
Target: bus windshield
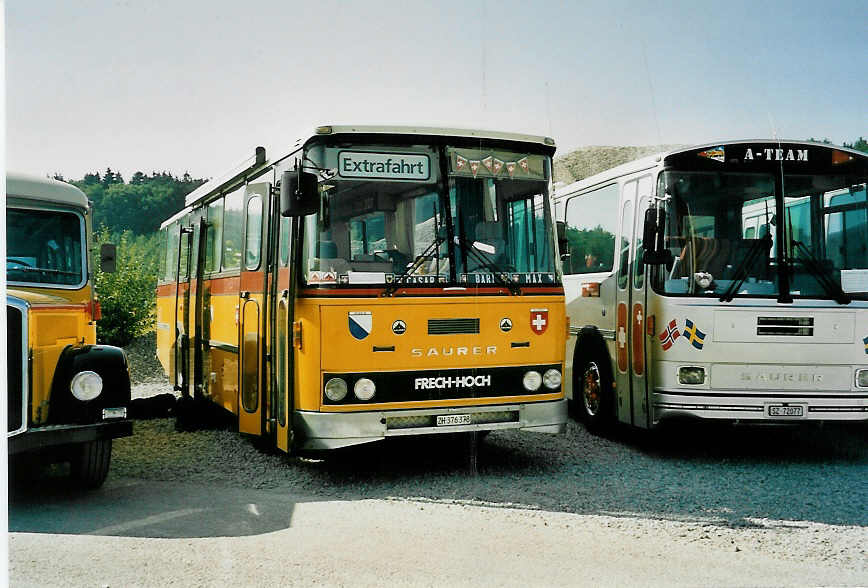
<point>723,230</point>
<point>44,247</point>
<point>471,229</point>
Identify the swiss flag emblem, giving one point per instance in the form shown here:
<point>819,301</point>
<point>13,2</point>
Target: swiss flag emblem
<point>539,320</point>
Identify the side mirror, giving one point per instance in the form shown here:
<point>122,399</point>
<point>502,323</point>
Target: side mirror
<point>108,254</point>
<point>298,193</point>
<point>652,239</point>
<point>561,229</point>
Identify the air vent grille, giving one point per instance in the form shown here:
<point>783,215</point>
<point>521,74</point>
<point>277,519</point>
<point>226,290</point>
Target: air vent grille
<point>457,326</point>
<point>785,326</point>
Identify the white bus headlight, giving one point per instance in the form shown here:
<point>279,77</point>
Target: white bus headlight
<point>336,389</point>
<point>862,378</point>
<point>531,381</point>
<point>552,379</point>
<point>364,389</point>
<point>691,375</point>
<point>86,385</point>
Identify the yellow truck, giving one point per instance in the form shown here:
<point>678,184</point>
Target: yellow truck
<point>67,397</point>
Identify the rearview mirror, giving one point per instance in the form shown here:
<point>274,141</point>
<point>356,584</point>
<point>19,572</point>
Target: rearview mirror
<point>652,239</point>
<point>108,258</point>
<point>298,193</point>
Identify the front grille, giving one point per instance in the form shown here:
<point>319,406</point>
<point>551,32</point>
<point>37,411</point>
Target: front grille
<point>457,326</point>
<point>15,368</point>
<point>787,326</point>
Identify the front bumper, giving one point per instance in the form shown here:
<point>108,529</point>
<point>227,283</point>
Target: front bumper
<point>321,430</point>
<point>755,406</point>
<point>55,435</point>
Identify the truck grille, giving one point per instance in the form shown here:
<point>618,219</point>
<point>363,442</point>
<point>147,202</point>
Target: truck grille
<point>15,359</point>
<point>457,326</point>
<point>785,326</point>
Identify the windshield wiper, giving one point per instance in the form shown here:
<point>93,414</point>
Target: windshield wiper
<point>42,270</point>
<point>741,271</point>
<point>832,288</point>
<point>514,289</point>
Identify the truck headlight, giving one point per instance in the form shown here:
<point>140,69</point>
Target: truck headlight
<point>336,389</point>
<point>86,385</point>
<point>862,378</point>
<point>364,389</point>
<point>691,375</point>
<point>531,381</point>
<point>552,379</point>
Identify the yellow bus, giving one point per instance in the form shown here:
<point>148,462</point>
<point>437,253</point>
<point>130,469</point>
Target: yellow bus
<point>370,282</point>
<point>66,396</point>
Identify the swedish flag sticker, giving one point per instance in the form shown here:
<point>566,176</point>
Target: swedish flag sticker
<point>865,341</point>
<point>693,335</point>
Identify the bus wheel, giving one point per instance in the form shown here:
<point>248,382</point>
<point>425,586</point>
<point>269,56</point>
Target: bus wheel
<point>595,404</point>
<point>90,463</point>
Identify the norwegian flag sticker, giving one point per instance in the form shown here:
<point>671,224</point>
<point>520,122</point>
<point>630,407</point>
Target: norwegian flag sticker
<point>669,335</point>
<point>539,320</point>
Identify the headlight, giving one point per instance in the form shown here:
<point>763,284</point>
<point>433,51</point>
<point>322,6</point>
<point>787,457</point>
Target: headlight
<point>364,389</point>
<point>336,389</point>
<point>862,378</point>
<point>532,381</point>
<point>691,375</point>
<point>86,385</point>
<point>552,379</point>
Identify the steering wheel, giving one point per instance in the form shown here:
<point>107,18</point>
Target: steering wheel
<point>392,256</point>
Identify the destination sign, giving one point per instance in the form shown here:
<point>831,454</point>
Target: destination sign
<point>384,166</point>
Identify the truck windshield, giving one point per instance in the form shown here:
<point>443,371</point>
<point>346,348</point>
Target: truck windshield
<point>723,230</point>
<point>44,247</point>
<point>471,229</point>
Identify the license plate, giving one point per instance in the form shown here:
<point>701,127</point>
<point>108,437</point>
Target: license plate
<point>445,420</point>
<point>114,413</point>
<point>786,411</point>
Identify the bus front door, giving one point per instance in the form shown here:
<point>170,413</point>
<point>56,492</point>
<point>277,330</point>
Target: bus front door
<point>630,353</point>
<point>253,332</point>
<point>181,356</point>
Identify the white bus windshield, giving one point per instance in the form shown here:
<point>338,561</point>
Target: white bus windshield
<point>723,231</point>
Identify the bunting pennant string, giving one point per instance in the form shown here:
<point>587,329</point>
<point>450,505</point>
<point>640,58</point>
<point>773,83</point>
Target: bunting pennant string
<point>460,163</point>
<point>474,167</point>
<point>487,163</point>
<point>498,165</point>
<point>510,168</point>
<point>523,163</point>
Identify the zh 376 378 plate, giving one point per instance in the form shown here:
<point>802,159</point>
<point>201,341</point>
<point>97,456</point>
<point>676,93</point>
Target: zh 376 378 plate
<point>453,419</point>
<point>779,410</point>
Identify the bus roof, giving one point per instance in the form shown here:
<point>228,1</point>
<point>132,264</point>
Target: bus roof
<point>43,189</point>
<point>651,161</point>
<point>264,158</point>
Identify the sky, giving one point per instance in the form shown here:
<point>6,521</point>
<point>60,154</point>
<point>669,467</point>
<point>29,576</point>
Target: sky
<point>196,85</point>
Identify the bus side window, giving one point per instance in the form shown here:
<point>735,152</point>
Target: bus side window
<point>253,240</point>
<point>232,228</point>
<point>214,242</point>
<point>626,236</point>
<point>164,245</point>
<point>591,220</point>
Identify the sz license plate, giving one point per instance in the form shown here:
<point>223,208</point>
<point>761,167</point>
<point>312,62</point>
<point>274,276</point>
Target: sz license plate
<point>445,420</point>
<point>779,410</point>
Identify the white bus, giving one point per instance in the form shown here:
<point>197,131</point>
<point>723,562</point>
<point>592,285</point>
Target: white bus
<point>690,295</point>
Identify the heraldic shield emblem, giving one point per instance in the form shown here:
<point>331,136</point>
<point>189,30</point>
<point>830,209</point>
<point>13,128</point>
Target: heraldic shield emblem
<point>360,324</point>
<point>539,320</point>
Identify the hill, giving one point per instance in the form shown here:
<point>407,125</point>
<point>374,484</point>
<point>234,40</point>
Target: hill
<point>587,161</point>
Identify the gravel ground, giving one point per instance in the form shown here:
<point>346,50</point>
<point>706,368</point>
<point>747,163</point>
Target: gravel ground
<point>795,493</point>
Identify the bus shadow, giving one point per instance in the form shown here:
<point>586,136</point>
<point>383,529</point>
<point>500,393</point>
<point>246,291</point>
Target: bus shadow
<point>45,503</point>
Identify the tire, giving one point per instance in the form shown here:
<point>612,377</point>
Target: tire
<point>90,463</point>
<point>595,401</point>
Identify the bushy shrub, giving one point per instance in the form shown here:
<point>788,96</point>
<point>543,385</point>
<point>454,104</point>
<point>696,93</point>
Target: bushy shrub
<point>127,296</point>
